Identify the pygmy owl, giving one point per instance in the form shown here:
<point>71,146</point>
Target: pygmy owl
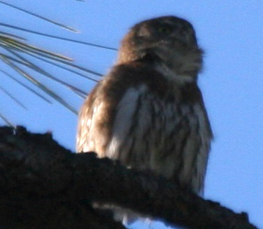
<point>148,111</point>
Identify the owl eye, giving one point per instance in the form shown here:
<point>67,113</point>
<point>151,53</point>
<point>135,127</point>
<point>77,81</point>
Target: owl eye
<point>165,29</point>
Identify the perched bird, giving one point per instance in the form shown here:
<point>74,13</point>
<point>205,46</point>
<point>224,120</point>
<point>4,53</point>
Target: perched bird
<point>148,111</point>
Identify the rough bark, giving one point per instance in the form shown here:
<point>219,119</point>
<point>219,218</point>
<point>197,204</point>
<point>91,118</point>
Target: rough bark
<point>43,185</point>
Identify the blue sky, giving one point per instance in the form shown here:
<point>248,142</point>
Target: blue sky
<point>230,32</point>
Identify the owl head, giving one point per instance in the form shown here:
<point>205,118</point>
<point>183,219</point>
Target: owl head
<point>168,41</point>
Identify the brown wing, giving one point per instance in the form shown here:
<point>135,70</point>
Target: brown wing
<point>92,133</point>
<point>98,113</point>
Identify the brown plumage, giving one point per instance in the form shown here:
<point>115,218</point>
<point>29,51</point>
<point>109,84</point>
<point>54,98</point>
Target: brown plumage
<point>148,111</point>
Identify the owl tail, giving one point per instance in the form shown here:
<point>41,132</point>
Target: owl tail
<point>125,216</point>
<point>119,214</point>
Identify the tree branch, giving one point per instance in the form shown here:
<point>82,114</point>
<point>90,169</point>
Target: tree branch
<point>43,185</point>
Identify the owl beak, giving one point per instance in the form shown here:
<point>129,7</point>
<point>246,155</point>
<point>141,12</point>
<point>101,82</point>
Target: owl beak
<point>149,55</point>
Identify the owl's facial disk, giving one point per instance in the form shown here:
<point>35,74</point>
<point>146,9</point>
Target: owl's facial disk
<point>169,41</point>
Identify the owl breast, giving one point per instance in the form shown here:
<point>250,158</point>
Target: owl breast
<point>167,136</point>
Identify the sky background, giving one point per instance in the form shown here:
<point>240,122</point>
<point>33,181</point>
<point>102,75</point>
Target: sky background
<point>230,32</point>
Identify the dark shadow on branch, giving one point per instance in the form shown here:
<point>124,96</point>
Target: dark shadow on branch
<point>43,185</point>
